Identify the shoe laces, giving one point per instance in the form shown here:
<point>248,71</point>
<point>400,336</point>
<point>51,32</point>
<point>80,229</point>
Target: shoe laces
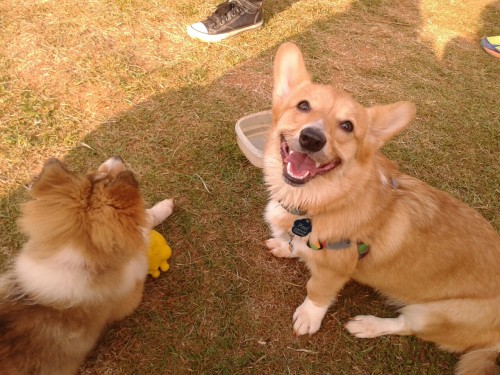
<point>224,13</point>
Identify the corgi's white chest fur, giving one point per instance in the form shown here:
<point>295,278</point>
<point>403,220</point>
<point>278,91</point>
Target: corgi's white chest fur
<point>65,278</point>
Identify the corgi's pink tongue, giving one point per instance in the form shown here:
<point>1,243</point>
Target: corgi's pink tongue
<point>301,163</point>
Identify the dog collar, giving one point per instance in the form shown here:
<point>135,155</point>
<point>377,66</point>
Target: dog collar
<point>293,211</point>
<point>302,227</point>
<point>363,248</point>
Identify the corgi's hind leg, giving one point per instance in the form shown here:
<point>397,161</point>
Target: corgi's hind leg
<point>455,324</point>
<point>369,326</point>
<point>412,320</point>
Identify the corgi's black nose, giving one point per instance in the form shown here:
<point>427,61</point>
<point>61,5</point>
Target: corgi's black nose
<point>312,139</point>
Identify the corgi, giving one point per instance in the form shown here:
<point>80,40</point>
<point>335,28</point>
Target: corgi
<point>347,211</point>
<point>83,266</point>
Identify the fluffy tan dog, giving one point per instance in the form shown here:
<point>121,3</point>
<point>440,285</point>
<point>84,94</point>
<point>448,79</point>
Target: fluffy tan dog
<point>83,267</point>
<point>339,205</point>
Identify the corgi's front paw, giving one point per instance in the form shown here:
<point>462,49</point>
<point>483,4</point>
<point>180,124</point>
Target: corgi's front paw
<point>307,318</point>
<point>279,248</point>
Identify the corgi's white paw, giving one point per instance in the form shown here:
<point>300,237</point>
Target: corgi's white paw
<point>279,248</point>
<point>367,326</point>
<point>307,318</point>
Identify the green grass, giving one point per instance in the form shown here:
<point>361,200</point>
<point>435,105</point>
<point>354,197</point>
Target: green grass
<point>84,81</point>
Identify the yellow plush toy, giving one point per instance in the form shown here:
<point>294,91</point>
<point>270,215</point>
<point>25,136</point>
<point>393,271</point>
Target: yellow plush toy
<point>159,252</point>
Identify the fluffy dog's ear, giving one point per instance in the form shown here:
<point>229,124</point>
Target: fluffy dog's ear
<point>54,174</point>
<point>125,178</point>
<point>123,191</point>
<point>388,121</point>
<point>289,71</point>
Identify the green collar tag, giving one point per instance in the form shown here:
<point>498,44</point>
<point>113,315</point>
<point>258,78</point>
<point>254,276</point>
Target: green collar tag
<point>363,249</point>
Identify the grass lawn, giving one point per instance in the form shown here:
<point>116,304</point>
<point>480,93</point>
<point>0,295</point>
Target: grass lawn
<point>85,80</point>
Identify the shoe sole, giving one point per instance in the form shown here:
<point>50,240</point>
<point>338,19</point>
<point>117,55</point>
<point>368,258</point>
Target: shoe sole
<point>217,38</point>
<point>492,53</point>
<point>492,47</point>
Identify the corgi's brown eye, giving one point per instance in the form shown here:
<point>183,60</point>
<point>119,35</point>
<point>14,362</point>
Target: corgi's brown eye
<point>347,126</point>
<point>304,106</point>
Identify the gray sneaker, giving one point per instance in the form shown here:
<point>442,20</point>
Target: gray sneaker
<point>228,20</point>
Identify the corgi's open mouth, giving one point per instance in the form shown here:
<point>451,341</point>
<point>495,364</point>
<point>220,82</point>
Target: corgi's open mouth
<point>299,168</point>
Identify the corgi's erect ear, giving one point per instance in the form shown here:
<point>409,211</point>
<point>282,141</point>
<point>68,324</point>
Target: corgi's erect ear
<point>54,174</point>
<point>289,71</point>
<point>388,121</point>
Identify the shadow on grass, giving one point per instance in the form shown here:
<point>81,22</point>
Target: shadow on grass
<point>226,305</point>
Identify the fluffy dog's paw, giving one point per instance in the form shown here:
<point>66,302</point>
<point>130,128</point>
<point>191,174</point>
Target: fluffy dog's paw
<point>366,326</point>
<point>160,211</point>
<point>279,248</point>
<point>164,208</point>
<point>307,318</point>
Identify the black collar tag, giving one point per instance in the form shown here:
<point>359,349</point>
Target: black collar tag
<point>302,227</point>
